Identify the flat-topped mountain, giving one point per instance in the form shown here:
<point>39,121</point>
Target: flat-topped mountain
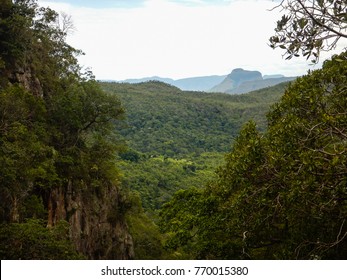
<point>238,81</point>
<point>242,81</point>
<point>236,78</point>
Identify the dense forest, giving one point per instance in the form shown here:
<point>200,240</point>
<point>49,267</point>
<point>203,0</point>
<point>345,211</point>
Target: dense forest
<point>177,138</point>
<point>280,194</point>
<point>95,170</point>
<point>60,197</point>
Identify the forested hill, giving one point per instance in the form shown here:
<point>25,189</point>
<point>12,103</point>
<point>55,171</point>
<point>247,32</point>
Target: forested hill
<point>163,120</point>
<point>280,194</point>
<point>176,140</point>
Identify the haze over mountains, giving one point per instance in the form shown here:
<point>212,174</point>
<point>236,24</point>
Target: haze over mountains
<point>204,83</point>
<point>242,81</point>
<point>238,81</point>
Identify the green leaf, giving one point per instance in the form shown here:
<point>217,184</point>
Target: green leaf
<point>302,22</point>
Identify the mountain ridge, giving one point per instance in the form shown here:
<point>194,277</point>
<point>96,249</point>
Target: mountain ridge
<point>249,86</point>
<point>242,81</point>
<point>237,82</point>
<point>200,83</point>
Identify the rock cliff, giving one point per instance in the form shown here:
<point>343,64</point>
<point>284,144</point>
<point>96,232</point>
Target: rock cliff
<point>97,225</point>
<point>243,81</point>
<point>50,133</point>
<point>236,78</point>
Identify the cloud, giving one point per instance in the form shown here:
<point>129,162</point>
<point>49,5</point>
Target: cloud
<point>100,4</point>
<point>176,40</point>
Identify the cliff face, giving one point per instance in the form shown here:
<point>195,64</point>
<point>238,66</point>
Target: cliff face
<point>27,79</point>
<point>243,81</point>
<point>97,224</point>
<point>97,229</point>
<point>235,78</point>
<point>52,132</point>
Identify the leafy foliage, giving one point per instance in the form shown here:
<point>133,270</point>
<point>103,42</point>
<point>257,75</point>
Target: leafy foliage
<point>26,157</point>
<point>157,178</point>
<point>163,120</point>
<point>177,138</point>
<point>310,27</point>
<point>32,240</point>
<point>282,194</point>
<point>148,241</point>
<point>58,130</point>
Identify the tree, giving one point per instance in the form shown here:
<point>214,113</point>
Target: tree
<point>29,35</point>
<point>281,194</point>
<point>307,133</point>
<point>58,133</point>
<point>26,157</point>
<point>310,26</point>
<point>32,240</point>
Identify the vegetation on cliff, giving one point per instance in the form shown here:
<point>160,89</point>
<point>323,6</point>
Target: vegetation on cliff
<point>58,138</point>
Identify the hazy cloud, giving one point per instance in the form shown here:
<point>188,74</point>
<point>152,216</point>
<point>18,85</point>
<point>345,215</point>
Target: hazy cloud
<point>177,38</point>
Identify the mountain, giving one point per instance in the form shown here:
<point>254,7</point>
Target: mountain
<point>242,81</point>
<point>238,81</point>
<point>177,138</point>
<point>249,86</point>
<point>273,76</point>
<point>235,78</point>
<point>203,83</point>
<point>147,79</point>
<point>164,120</point>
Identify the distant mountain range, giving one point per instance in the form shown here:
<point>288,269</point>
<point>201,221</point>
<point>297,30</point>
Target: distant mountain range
<point>242,81</point>
<point>204,83</point>
<point>238,81</point>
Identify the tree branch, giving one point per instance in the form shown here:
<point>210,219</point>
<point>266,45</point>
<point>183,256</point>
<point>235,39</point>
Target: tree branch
<point>320,23</point>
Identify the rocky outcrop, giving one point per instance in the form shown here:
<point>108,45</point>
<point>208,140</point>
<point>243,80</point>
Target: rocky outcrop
<point>96,216</point>
<point>243,81</point>
<point>236,78</point>
<point>35,55</point>
<point>97,225</point>
<point>27,79</point>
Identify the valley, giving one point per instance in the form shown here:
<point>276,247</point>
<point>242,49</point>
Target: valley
<point>177,140</point>
<point>243,166</point>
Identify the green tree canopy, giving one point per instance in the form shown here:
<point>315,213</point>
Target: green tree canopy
<point>58,130</point>
<point>310,26</point>
<point>281,194</point>
<point>32,240</point>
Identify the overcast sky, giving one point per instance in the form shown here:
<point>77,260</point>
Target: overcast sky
<point>175,38</point>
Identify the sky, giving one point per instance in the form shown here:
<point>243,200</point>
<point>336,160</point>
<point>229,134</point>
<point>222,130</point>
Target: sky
<point>176,39</point>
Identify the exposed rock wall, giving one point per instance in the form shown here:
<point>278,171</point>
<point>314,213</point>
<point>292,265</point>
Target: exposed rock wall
<point>27,79</point>
<point>93,232</point>
<point>97,224</point>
